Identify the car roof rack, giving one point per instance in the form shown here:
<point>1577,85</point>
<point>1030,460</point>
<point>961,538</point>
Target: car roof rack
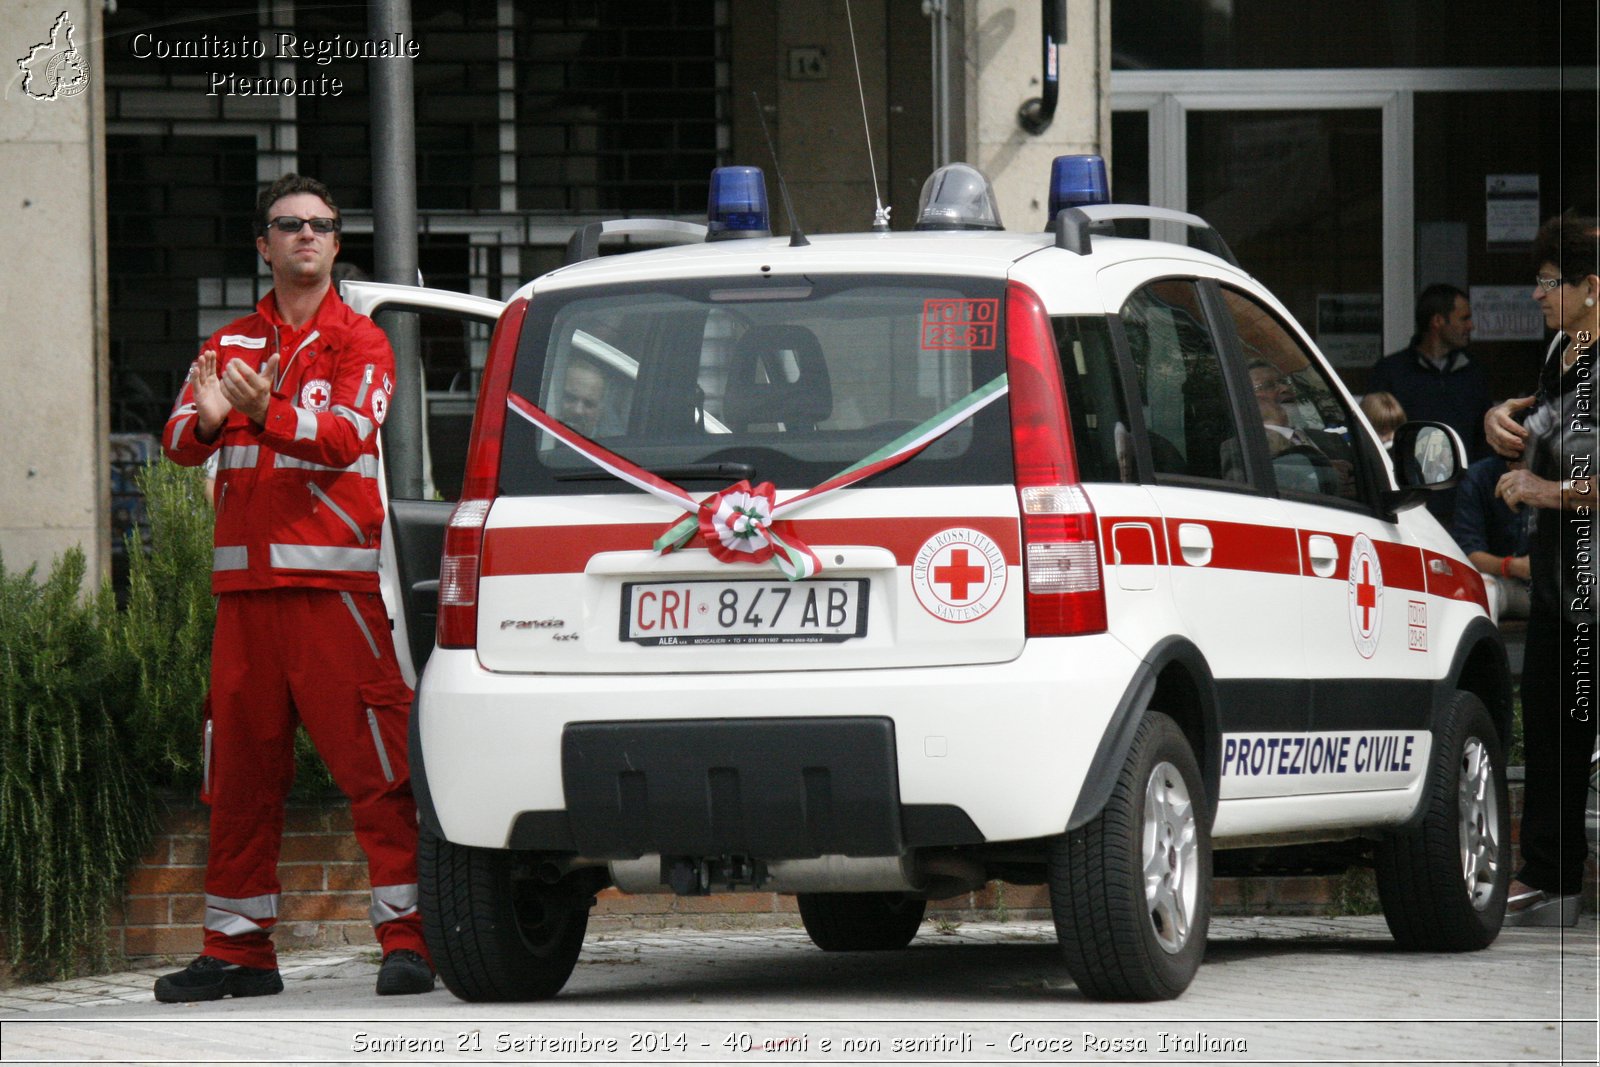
<point>585,240</point>
<point>1074,226</point>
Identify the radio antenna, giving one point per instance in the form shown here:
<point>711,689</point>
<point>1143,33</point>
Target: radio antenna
<point>880,217</point>
<point>796,238</point>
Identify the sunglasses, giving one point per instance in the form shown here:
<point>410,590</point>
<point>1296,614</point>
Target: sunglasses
<point>290,224</point>
<point>1547,284</point>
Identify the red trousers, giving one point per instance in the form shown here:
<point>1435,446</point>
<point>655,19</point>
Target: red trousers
<point>325,659</point>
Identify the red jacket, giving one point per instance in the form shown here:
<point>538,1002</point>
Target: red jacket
<point>297,500</point>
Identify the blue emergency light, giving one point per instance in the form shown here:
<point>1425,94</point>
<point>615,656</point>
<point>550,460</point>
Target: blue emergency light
<point>1076,181</point>
<point>737,205</point>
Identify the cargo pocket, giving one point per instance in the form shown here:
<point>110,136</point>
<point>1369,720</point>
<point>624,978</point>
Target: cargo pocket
<point>385,707</point>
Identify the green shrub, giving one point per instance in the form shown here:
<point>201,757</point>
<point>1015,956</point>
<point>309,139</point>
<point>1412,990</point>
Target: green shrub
<point>100,712</point>
<point>165,631</point>
<point>75,807</point>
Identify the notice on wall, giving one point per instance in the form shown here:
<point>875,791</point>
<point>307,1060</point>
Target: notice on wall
<point>1350,328</point>
<point>1512,208</point>
<point>1505,313</point>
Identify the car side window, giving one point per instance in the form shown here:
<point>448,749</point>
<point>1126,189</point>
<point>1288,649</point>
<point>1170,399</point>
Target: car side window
<point>1185,403</point>
<point>1095,403</point>
<point>1304,423</point>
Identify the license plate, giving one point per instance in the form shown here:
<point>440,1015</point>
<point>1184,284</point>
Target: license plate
<point>744,612</point>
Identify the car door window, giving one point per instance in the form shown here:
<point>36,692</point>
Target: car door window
<point>1304,423</point>
<point>1188,422</point>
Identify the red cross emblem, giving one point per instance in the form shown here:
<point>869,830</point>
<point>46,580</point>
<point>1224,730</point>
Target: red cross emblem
<point>959,575</point>
<point>1365,592</point>
<point>1366,595</point>
<point>316,394</point>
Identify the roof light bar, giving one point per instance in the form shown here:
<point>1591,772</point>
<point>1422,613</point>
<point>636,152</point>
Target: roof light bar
<point>957,197</point>
<point>1076,181</point>
<point>737,204</point>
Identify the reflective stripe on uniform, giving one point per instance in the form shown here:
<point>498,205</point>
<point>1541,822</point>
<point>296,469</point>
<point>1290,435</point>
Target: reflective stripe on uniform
<point>377,743</point>
<point>366,384</point>
<point>350,602</point>
<point>362,424</point>
<point>323,558</point>
<point>237,916</point>
<point>390,902</point>
<point>230,558</point>
<point>327,501</point>
<point>305,425</point>
<point>365,466</point>
<point>177,430</point>
<point>237,457</point>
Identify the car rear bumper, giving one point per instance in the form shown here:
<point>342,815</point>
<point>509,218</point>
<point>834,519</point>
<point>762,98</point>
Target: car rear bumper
<point>1007,744</point>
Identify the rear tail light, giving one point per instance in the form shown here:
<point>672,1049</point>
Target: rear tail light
<point>463,538</point>
<point>1061,549</point>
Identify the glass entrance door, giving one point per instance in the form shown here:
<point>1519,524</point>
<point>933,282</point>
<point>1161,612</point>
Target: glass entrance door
<point>1298,194</point>
<point>1303,190</point>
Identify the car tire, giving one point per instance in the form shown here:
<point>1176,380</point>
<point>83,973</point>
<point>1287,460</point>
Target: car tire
<point>1130,891</point>
<point>495,931</point>
<point>861,922</point>
<point>1443,883</point>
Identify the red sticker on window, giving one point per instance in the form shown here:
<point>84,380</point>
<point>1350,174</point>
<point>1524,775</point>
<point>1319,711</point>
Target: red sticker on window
<point>950,324</point>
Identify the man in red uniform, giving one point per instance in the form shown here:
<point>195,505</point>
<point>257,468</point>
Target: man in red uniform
<point>291,398</point>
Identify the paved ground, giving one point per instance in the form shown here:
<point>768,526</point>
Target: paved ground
<point>1271,990</point>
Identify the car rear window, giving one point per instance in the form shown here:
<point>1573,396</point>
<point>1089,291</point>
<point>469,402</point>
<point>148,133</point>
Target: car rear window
<point>707,381</point>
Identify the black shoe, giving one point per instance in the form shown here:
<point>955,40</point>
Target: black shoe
<point>404,971</point>
<point>209,978</point>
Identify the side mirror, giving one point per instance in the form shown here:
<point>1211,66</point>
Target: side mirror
<point>1428,457</point>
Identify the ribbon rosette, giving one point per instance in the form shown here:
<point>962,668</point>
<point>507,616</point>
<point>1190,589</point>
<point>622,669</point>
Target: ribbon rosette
<point>737,525</point>
<point>742,524</point>
<point>734,523</point>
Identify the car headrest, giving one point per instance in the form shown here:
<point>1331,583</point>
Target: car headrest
<point>777,375</point>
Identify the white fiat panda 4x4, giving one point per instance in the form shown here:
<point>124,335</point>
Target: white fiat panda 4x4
<point>873,567</point>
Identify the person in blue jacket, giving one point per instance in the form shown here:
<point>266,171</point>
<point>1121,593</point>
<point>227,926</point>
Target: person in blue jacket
<point>1494,537</point>
<point>1435,380</point>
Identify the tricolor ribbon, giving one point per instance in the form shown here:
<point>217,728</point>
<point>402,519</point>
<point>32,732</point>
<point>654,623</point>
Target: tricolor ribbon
<point>744,524</point>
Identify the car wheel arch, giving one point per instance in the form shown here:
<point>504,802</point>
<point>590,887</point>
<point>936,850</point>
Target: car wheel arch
<point>1480,667</point>
<point>1173,678</point>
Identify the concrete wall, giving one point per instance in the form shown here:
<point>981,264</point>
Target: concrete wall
<point>1003,68</point>
<point>816,122</point>
<point>53,344</point>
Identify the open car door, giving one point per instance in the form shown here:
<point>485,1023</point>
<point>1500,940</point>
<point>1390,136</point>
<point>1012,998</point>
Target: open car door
<point>454,331</point>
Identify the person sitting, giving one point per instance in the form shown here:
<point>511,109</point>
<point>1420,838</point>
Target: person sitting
<point>1304,458</point>
<point>583,396</point>
<point>1494,537</point>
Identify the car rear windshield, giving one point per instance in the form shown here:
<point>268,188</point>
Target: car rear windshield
<point>708,381</point>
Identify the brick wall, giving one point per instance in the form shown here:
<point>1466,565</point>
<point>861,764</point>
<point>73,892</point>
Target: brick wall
<point>324,877</point>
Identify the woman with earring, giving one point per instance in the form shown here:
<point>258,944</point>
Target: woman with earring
<point>1552,437</point>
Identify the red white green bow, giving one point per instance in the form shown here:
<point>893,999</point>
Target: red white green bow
<point>744,524</point>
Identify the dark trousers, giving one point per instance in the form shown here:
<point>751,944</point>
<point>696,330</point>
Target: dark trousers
<point>1558,730</point>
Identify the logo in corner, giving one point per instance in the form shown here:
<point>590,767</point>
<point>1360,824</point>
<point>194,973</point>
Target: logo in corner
<point>1366,596</point>
<point>55,69</point>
